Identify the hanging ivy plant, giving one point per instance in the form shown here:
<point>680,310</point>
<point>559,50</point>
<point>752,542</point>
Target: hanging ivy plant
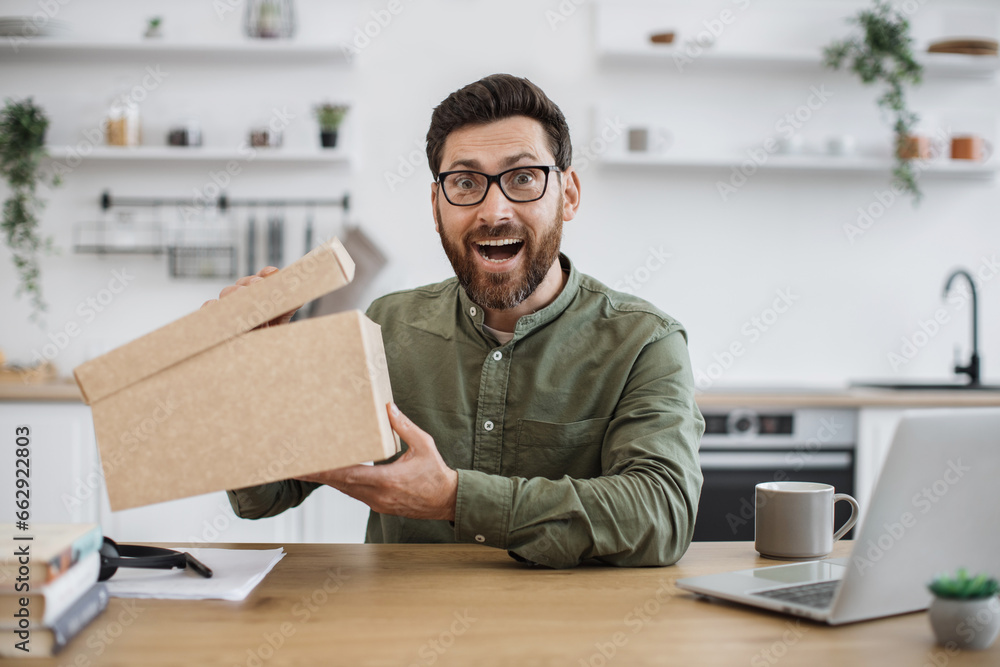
<point>22,147</point>
<point>883,53</point>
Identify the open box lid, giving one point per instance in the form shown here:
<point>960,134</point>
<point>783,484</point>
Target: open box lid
<point>323,269</point>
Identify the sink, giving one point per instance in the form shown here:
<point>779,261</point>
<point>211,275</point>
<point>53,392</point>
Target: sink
<point>926,386</point>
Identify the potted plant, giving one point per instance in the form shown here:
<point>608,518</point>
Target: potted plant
<point>22,146</point>
<point>965,610</point>
<point>330,116</point>
<point>883,53</point>
<point>154,27</point>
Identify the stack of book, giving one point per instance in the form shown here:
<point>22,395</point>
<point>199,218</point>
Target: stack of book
<point>48,586</point>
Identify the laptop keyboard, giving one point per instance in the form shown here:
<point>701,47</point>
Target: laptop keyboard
<point>818,595</point>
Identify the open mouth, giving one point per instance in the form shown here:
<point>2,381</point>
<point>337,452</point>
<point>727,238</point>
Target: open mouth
<point>499,250</point>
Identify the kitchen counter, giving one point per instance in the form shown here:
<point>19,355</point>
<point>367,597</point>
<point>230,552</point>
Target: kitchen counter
<point>807,397</point>
<point>58,390</point>
<point>65,389</point>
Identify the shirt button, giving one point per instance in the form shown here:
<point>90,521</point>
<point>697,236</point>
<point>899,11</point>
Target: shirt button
<point>480,538</point>
<point>488,426</point>
<point>472,311</point>
<point>497,356</point>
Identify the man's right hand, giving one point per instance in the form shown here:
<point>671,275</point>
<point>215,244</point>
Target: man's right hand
<point>249,280</point>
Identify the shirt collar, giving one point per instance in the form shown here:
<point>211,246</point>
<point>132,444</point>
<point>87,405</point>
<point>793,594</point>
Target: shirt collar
<point>474,313</point>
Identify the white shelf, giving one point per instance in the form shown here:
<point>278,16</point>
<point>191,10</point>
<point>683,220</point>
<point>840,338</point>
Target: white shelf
<point>935,64</point>
<point>50,49</point>
<point>199,154</point>
<point>817,163</point>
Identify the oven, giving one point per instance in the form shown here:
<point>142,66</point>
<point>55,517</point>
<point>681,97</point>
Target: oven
<point>743,447</point>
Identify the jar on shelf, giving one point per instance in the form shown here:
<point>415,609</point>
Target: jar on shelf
<point>122,127</point>
<point>270,19</point>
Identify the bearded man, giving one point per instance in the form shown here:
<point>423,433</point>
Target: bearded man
<point>543,413</point>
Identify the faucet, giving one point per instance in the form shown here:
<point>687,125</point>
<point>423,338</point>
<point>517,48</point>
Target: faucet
<point>972,368</point>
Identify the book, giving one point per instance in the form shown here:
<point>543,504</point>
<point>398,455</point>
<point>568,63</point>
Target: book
<point>43,642</point>
<point>52,550</point>
<point>46,603</point>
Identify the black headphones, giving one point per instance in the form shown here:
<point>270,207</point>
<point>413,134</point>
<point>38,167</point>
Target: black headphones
<point>114,556</point>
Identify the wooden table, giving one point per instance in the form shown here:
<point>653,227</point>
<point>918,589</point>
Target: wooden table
<point>352,604</point>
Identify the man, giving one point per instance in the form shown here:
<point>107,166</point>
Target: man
<point>544,413</point>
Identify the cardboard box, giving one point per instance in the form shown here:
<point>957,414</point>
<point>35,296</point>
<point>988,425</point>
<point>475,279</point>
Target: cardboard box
<point>205,404</point>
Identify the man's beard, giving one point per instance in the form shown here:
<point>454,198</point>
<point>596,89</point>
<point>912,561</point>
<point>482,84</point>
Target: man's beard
<point>503,291</point>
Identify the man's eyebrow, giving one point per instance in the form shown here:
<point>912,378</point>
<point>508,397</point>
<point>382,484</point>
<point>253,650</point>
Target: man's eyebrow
<point>477,165</point>
<point>511,161</point>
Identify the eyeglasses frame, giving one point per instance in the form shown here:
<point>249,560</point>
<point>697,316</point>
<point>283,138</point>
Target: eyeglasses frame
<point>495,178</point>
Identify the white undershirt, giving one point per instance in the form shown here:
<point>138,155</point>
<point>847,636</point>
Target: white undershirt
<point>503,336</point>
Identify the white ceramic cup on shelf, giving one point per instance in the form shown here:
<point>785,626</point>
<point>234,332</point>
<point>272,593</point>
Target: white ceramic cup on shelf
<point>795,519</point>
<point>840,145</point>
<point>793,144</point>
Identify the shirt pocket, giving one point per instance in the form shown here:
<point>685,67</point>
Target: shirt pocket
<point>552,450</point>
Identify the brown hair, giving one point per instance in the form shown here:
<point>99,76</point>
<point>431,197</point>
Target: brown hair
<point>494,98</point>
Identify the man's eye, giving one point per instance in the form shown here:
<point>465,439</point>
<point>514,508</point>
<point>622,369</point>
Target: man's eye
<point>466,184</point>
<point>523,178</point>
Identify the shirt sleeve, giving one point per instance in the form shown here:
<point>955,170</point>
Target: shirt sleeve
<point>265,500</point>
<point>640,511</point>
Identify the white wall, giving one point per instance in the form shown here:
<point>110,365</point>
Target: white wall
<point>727,258</point>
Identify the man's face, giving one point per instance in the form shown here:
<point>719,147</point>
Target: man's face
<point>501,250</point>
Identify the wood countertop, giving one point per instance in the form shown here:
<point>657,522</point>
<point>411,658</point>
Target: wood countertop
<point>381,605</point>
<point>65,390</point>
<point>60,389</point>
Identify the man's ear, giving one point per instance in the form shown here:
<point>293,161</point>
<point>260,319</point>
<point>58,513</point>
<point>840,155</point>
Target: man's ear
<point>434,203</point>
<point>571,193</point>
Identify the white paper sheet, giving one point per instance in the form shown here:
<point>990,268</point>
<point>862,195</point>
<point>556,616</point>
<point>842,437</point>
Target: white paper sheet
<point>236,572</point>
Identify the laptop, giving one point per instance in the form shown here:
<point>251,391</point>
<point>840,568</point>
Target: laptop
<point>935,508</point>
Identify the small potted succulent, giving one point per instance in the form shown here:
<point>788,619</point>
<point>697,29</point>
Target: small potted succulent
<point>330,116</point>
<point>965,610</point>
<point>154,27</point>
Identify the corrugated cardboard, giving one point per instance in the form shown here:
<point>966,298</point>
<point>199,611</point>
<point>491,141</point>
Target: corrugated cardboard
<point>205,404</point>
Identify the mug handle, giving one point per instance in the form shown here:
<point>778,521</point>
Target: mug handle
<point>987,149</point>
<point>853,519</point>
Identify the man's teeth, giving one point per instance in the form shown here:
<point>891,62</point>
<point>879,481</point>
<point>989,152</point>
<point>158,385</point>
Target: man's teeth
<point>499,242</point>
<point>482,245</point>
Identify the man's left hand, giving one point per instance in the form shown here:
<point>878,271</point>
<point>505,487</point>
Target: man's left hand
<point>417,485</point>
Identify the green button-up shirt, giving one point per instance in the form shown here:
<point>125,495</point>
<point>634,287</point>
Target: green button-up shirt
<point>577,439</point>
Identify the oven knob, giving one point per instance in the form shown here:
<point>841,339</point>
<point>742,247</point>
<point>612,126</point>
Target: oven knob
<point>743,422</point>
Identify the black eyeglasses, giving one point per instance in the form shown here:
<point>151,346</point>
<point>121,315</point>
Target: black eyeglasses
<point>520,184</point>
<point>114,556</point>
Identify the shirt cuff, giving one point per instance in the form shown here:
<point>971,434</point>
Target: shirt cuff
<point>482,508</point>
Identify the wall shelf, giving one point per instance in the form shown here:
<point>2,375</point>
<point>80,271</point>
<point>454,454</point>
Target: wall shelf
<point>936,65</point>
<point>199,154</point>
<point>815,163</point>
<point>258,51</point>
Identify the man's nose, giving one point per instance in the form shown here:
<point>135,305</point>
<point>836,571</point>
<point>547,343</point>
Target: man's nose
<point>495,207</point>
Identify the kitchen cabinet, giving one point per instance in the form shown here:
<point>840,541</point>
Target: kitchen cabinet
<point>64,470</point>
<point>876,428</point>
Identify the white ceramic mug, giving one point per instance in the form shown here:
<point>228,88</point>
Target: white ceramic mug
<point>840,144</point>
<point>795,519</point>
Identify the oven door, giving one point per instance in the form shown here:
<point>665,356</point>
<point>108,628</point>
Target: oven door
<point>726,508</point>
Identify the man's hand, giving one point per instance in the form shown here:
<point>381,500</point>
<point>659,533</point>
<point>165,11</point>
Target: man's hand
<point>246,281</point>
<point>417,485</point>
